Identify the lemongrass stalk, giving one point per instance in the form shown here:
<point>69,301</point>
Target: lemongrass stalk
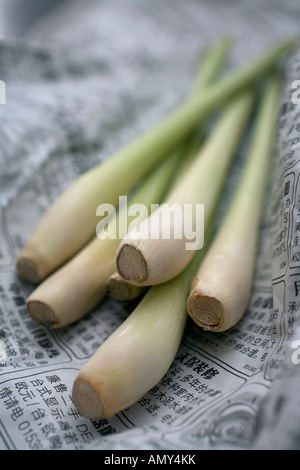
<point>70,222</point>
<point>210,63</point>
<point>139,353</point>
<point>222,287</point>
<point>119,289</point>
<point>156,250</point>
<point>78,286</point>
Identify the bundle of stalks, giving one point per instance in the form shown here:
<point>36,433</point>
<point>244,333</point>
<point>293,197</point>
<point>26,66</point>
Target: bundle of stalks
<point>70,222</point>
<point>76,269</point>
<point>80,284</point>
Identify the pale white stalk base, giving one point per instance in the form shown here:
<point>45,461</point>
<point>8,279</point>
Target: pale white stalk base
<point>138,354</point>
<point>130,362</point>
<point>153,269</point>
<point>221,289</point>
<point>218,312</point>
<point>74,289</point>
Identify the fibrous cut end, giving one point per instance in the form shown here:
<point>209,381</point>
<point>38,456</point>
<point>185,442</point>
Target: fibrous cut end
<point>41,313</point>
<point>87,400</point>
<point>131,264</point>
<point>117,290</point>
<point>206,311</point>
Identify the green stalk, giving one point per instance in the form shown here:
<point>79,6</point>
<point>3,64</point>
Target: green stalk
<point>222,287</point>
<point>70,222</point>
<point>139,353</point>
<point>210,64</point>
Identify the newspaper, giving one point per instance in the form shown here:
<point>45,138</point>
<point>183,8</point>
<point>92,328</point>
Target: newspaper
<point>86,80</point>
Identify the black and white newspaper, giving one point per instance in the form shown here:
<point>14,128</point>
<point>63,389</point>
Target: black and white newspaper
<point>88,79</point>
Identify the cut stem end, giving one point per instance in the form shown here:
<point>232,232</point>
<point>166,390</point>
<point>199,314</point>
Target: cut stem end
<point>117,290</point>
<point>41,313</point>
<point>206,311</point>
<point>87,400</point>
<point>131,264</point>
